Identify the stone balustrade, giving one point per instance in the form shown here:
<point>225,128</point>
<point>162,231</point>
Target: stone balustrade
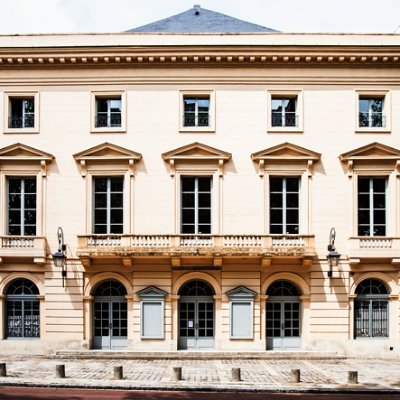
<point>89,245</point>
<point>23,247</point>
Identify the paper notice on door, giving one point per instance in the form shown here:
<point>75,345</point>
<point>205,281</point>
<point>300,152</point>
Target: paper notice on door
<point>190,324</point>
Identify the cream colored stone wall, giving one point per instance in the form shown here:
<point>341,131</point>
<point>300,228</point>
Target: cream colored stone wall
<point>329,103</point>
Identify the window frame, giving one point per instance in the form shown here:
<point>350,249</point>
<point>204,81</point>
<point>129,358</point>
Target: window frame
<point>285,94</point>
<point>196,205</point>
<point>211,111</point>
<point>108,205</point>
<point>386,110</point>
<point>109,95</point>
<point>371,208</point>
<point>22,208</point>
<point>284,199</point>
<point>8,96</point>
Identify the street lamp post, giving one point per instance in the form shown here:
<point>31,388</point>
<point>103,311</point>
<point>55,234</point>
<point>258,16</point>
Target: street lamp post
<point>59,257</point>
<point>333,256</point>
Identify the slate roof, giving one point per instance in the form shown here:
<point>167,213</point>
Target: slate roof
<point>200,20</point>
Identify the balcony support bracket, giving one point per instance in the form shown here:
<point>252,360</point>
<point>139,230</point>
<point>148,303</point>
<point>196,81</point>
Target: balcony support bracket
<point>217,261</point>
<point>175,261</point>
<point>39,260</point>
<point>354,261</point>
<point>86,262</point>
<point>266,262</point>
<point>127,262</point>
<point>307,261</point>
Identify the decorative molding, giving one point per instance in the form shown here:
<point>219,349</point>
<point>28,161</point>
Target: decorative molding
<point>196,152</point>
<point>287,153</point>
<point>107,153</point>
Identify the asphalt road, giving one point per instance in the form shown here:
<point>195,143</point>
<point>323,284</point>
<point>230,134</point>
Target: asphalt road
<point>13,393</point>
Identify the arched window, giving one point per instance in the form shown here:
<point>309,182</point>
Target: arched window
<point>110,288</point>
<point>196,288</point>
<point>283,288</point>
<point>371,309</point>
<point>22,310</point>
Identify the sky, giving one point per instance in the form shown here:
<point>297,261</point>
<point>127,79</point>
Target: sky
<point>109,16</point>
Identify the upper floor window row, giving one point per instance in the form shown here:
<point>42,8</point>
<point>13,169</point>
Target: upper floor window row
<point>197,111</point>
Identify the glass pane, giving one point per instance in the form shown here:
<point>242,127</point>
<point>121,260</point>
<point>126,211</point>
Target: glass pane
<point>30,185</point>
<point>364,230</point>
<point>14,217</point>
<point>276,184</point>
<point>100,216</point>
<point>363,217</point>
<point>14,185</point>
<point>102,105</point>
<point>205,216</point>
<point>117,199</point>
<point>364,105</point>
<point>363,201</point>
<point>363,185</point>
<point>204,184</point>
<point>100,200</point>
<point>292,184</point>
<point>115,105</point>
<point>100,184</point>
<point>187,229</point>
<point>292,229</point>
<point>276,105</point>
<point>189,104</point>
<point>30,200</point>
<point>379,230</point>
<point>379,217</point>
<point>276,200</point>
<point>14,201</point>
<point>188,216</point>
<point>292,216</point>
<point>188,184</point>
<point>188,199</point>
<point>276,217</point>
<point>292,200</point>
<point>203,105</point>
<point>379,185</point>
<point>30,217</point>
<point>117,184</point>
<point>205,229</point>
<point>116,216</point>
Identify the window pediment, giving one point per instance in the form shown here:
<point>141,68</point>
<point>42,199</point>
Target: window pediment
<point>241,291</point>
<point>106,153</point>
<point>368,157</point>
<point>19,153</point>
<point>196,152</point>
<point>300,157</point>
<point>151,291</point>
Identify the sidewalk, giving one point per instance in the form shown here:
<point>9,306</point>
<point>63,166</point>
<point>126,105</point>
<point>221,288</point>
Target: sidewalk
<point>257,375</point>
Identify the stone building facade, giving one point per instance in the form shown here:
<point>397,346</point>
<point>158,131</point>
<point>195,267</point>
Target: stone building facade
<point>196,179</point>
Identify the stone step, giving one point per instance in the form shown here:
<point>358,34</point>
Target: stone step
<point>198,355</point>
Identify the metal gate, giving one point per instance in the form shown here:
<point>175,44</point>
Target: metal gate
<point>110,317</point>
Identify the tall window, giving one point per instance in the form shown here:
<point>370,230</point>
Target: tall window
<point>371,112</point>
<point>284,205</point>
<point>22,112</point>
<point>371,309</point>
<point>22,310</point>
<point>108,112</point>
<point>371,206</point>
<point>283,111</point>
<point>108,198</point>
<point>22,206</point>
<point>196,111</point>
<point>196,205</point>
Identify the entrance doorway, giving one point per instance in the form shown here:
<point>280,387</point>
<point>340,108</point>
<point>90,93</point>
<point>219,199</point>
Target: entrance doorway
<point>283,316</point>
<point>110,316</point>
<point>196,316</point>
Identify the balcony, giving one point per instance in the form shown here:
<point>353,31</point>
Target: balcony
<point>126,246</point>
<point>16,247</point>
<point>373,247</point>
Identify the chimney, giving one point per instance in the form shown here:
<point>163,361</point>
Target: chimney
<point>196,9</point>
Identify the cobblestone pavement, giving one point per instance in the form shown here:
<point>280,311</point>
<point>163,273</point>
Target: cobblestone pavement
<point>204,374</point>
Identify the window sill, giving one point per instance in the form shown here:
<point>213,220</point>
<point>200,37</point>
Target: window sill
<point>373,130</point>
<point>196,129</point>
<point>108,130</point>
<point>241,338</point>
<point>283,129</point>
<point>21,130</point>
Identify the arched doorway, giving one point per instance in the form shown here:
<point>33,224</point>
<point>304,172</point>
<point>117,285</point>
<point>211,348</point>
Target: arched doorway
<point>283,316</point>
<point>22,310</point>
<point>110,316</point>
<point>371,309</point>
<point>196,316</point>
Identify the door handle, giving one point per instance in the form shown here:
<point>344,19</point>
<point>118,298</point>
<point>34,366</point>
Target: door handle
<point>110,326</point>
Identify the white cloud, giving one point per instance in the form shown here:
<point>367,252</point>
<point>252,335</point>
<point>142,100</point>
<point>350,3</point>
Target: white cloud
<point>55,16</point>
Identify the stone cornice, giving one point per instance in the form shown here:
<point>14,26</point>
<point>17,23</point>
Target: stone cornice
<point>203,56</point>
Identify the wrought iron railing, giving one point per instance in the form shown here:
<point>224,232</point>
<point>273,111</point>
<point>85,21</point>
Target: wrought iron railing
<point>108,120</point>
<point>27,121</point>
<point>191,119</point>
<point>287,119</point>
<point>372,120</point>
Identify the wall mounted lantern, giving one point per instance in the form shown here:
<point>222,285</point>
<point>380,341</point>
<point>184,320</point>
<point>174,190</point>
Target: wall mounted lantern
<point>333,256</point>
<point>59,258</point>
